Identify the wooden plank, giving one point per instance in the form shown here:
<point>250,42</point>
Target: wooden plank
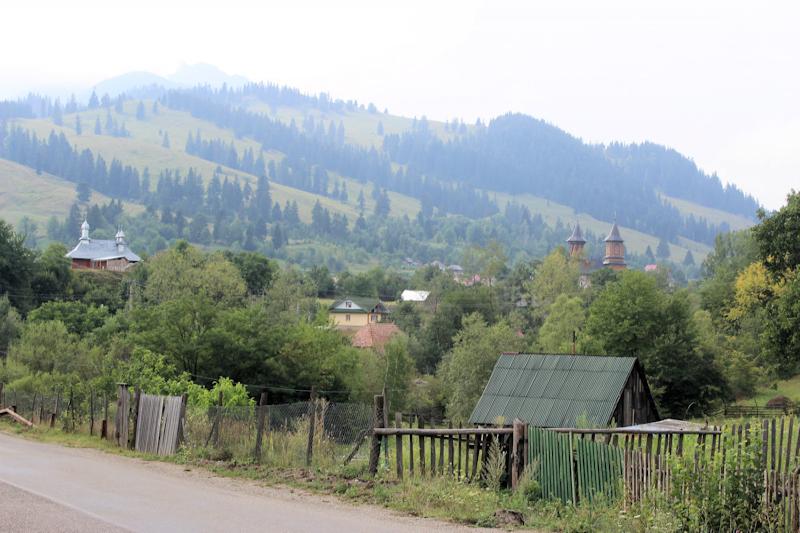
<point>398,452</point>
<point>260,423</point>
<point>16,417</point>
<point>459,454</point>
<point>421,449</point>
<point>789,446</point>
<point>443,432</point>
<point>312,422</point>
<point>411,450</point>
<point>780,446</point>
<point>450,449</point>
<point>375,442</point>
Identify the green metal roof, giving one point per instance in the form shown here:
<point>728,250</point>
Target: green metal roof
<point>553,390</point>
<point>358,305</point>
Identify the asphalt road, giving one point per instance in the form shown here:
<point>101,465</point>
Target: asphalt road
<point>50,488</point>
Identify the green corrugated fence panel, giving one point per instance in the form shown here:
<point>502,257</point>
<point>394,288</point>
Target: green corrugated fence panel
<point>598,466</point>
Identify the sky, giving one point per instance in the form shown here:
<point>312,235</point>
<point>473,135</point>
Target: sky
<point>718,80</point>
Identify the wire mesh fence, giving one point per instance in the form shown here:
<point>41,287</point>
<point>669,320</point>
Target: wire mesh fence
<point>315,433</point>
<point>69,410</point>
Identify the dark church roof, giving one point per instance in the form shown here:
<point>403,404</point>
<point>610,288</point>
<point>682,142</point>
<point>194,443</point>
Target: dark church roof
<point>613,235</point>
<point>577,235</point>
<point>553,390</point>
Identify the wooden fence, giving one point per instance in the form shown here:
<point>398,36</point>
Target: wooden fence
<point>462,453</point>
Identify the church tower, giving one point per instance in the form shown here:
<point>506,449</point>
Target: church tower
<point>615,250</point>
<point>576,241</point>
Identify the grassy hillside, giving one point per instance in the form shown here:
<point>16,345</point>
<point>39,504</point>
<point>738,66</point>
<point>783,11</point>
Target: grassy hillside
<point>635,241</point>
<point>23,192</point>
<point>713,216</point>
<point>143,149</point>
<point>360,127</point>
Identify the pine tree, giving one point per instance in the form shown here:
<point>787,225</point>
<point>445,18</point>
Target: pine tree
<point>58,118</point>
<point>361,201</point>
<point>140,111</point>
<point>94,103</point>
<point>662,251</point>
<point>84,192</point>
<point>78,128</point>
<point>380,128</point>
<point>165,142</point>
<point>110,127</point>
<point>118,107</point>
<point>689,259</point>
<point>155,107</point>
<point>648,254</point>
<point>97,128</point>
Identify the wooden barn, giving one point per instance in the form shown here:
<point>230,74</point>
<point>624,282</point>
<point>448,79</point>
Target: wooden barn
<point>559,390</point>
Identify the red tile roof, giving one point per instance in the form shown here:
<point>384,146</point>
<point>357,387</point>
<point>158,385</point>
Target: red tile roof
<point>374,335</point>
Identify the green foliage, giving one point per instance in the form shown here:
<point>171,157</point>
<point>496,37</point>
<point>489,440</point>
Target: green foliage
<point>566,315</point>
<point>16,267</point>
<point>466,368</point>
<point>78,317</point>
<point>49,347</point>
<point>9,324</point>
<point>633,318</point>
<point>776,235</point>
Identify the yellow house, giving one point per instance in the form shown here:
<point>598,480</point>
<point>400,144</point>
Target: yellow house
<point>357,312</point>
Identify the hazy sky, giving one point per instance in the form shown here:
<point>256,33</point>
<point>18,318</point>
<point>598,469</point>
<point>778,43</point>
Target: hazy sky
<point>717,80</point>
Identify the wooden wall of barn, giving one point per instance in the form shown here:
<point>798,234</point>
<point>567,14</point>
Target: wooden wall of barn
<point>635,404</point>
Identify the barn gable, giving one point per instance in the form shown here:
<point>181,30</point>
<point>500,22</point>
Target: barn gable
<point>556,390</point>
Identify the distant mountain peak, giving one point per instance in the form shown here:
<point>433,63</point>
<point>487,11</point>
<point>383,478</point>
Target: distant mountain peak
<point>185,76</point>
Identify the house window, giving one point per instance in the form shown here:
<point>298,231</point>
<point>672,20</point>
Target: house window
<point>348,304</point>
<point>347,318</point>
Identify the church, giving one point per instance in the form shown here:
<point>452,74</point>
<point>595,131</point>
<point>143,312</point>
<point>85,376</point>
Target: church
<point>614,257</point>
<point>98,254</point>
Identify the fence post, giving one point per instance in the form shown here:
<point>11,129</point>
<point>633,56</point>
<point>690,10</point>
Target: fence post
<point>2,395</point>
<point>312,421</point>
<point>104,424</point>
<point>137,396</point>
<point>91,412</point>
<point>398,423</point>
<point>121,429</point>
<point>182,420</point>
<point>375,445</point>
<point>516,453</point>
<point>72,409</point>
<point>262,407</point>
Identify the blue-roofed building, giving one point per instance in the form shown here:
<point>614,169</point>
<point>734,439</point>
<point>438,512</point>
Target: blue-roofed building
<point>548,390</point>
<point>98,254</point>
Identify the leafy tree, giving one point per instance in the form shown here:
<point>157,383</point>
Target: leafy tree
<point>634,318</point>
<point>398,371</point>
<point>556,275</point>
<point>16,267</point>
<point>78,317</point>
<point>52,273</point>
<point>566,317</point>
<point>256,270</point>
<point>776,236</point>
<point>49,347</point>
<point>9,325</point>
<point>466,368</point>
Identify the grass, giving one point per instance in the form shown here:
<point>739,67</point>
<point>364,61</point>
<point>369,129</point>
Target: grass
<point>143,149</point>
<point>23,192</point>
<point>784,387</point>
<point>635,241</point>
<point>360,126</point>
<point>713,216</point>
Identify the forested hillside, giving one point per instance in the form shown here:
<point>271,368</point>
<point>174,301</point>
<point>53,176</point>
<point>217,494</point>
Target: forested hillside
<point>311,179</point>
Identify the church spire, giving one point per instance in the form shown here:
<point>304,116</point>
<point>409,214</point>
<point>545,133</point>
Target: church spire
<point>615,249</point>
<point>576,240</point>
<point>85,230</point>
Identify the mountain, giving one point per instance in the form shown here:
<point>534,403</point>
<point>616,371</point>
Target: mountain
<point>317,180</point>
<point>185,76</point>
